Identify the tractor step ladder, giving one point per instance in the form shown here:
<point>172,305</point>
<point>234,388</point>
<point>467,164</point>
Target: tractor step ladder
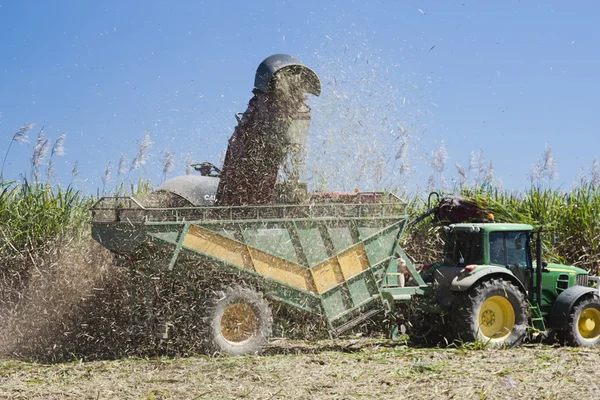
<point>537,321</point>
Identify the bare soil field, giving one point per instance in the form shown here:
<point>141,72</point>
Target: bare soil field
<point>341,369</point>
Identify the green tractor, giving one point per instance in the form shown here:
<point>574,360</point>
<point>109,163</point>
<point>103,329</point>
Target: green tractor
<point>493,289</point>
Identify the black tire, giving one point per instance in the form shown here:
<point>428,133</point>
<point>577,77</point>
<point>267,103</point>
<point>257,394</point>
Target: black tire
<point>583,325</point>
<point>239,322</point>
<point>494,313</point>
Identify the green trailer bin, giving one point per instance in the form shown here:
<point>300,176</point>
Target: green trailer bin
<point>334,259</point>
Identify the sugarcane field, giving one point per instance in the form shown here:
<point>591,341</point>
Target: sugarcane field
<point>369,209</point>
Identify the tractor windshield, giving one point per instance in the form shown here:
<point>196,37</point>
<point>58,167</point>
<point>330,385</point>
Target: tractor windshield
<point>509,249</point>
<point>463,247</point>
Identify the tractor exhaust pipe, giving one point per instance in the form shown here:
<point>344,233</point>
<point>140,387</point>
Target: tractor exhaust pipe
<point>538,267</point>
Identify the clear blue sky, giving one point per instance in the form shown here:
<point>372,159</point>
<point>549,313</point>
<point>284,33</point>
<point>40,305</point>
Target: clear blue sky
<point>504,77</point>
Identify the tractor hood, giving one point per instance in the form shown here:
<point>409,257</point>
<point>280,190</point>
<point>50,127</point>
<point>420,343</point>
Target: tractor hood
<point>568,269</point>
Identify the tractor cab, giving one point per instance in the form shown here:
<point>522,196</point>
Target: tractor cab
<point>503,245</point>
<point>471,247</point>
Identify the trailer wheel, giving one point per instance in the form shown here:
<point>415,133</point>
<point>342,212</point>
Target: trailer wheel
<point>494,312</point>
<point>583,324</point>
<point>239,322</point>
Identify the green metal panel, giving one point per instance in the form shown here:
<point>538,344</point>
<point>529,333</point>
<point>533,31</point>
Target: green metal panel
<point>362,289</point>
<point>121,237</point>
<point>380,246</point>
<point>367,231</point>
<point>228,230</point>
<point>334,303</point>
<point>295,298</point>
<point>271,238</point>
<point>312,243</point>
<point>297,244</point>
<point>390,279</point>
<point>164,233</point>
<point>359,291</point>
<point>341,237</point>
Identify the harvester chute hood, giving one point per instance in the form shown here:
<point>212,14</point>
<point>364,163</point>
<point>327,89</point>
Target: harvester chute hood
<point>271,135</point>
<point>288,65</point>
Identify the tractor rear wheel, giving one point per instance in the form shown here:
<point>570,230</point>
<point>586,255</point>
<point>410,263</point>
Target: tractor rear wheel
<point>239,322</point>
<point>494,313</point>
<point>583,323</point>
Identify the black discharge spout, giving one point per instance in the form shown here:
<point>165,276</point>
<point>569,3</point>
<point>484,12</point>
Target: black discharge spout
<point>271,135</point>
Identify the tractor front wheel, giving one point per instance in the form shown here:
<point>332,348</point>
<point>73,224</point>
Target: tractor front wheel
<point>494,313</point>
<point>239,322</point>
<point>583,324</point>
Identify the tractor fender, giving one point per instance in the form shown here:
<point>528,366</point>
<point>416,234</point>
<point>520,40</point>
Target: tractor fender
<point>563,304</point>
<point>279,62</point>
<point>464,281</point>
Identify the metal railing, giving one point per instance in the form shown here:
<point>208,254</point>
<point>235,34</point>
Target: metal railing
<point>116,209</point>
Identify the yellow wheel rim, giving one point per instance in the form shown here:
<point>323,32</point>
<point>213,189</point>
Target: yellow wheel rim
<point>238,324</point>
<point>496,318</point>
<point>588,324</point>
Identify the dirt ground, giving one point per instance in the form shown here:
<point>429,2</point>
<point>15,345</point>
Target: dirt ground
<point>349,369</point>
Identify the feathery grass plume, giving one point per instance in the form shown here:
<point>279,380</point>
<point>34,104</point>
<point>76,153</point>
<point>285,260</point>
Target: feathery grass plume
<point>107,176</point>
<point>550,163</point>
<point>402,153</point>
<point>430,185</point>
<point>545,168</point>
<point>485,170</point>
<point>75,170</point>
<point>57,150</point>
<point>167,163</point>
<point>535,174</point>
<point>438,164</point>
<point>50,170</point>
<point>20,137</point>
<point>40,149</point>
<point>122,168</point>
<point>142,154</point>
<point>481,165</point>
<point>439,157</point>
<point>462,174</point>
<point>472,162</point>
<point>595,173</point>
<point>582,179</point>
<point>488,176</point>
<point>188,164</point>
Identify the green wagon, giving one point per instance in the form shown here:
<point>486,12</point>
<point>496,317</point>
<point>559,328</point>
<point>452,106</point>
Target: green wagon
<point>339,260</point>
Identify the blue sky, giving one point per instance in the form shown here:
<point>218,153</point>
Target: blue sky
<point>504,77</point>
